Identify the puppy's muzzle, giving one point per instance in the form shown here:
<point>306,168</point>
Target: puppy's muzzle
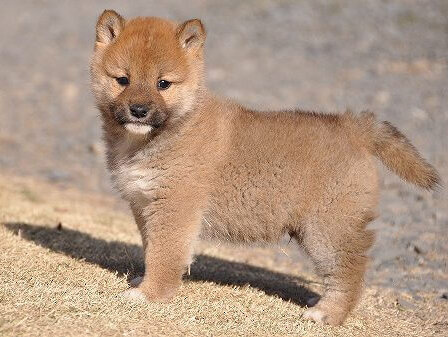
<point>139,111</point>
<point>146,114</point>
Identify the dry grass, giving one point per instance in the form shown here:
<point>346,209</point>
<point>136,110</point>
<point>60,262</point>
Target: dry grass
<point>67,281</point>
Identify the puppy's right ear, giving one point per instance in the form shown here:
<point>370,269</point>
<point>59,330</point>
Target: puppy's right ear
<point>109,26</point>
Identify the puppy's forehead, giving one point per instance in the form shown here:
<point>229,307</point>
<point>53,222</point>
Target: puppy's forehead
<point>149,29</point>
<point>146,42</point>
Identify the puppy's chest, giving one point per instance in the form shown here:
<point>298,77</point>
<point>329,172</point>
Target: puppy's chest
<point>136,180</point>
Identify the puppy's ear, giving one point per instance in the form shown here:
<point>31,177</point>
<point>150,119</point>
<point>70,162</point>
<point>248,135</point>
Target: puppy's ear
<point>191,34</point>
<point>109,25</point>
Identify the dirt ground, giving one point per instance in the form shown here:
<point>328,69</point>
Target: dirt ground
<point>390,57</point>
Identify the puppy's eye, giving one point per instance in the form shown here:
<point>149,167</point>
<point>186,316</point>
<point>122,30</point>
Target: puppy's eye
<point>162,84</point>
<point>122,80</point>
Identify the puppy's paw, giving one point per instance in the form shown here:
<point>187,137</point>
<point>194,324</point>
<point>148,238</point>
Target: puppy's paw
<point>141,292</point>
<point>135,282</point>
<point>315,315</point>
<point>322,316</point>
<point>134,295</point>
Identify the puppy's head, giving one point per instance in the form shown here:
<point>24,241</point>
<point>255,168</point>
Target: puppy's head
<point>147,73</point>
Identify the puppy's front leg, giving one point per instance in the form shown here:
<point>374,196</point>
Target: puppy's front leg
<point>169,227</point>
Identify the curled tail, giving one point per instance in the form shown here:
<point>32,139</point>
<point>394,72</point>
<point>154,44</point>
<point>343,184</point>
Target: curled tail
<point>397,153</point>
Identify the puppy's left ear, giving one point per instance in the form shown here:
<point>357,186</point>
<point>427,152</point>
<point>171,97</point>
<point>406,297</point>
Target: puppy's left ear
<point>109,26</point>
<point>191,34</point>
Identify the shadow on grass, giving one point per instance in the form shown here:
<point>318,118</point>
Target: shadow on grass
<point>125,258</point>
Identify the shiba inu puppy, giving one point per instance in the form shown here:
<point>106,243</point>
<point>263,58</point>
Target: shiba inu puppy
<point>192,164</point>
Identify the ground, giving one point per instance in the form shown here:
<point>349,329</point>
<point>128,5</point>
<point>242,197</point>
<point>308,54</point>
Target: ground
<point>386,56</point>
<point>66,256</point>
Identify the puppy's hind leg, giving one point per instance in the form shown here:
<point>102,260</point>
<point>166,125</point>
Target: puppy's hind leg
<point>339,255</point>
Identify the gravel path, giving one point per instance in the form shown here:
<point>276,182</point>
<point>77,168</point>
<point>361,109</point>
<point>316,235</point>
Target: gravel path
<point>387,56</point>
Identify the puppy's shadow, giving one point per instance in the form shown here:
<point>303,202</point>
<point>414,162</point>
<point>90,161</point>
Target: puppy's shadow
<point>126,259</point>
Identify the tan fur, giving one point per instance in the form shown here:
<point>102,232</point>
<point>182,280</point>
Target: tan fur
<point>216,169</point>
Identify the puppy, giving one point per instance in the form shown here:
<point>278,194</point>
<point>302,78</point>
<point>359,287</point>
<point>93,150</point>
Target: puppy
<point>192,164</point>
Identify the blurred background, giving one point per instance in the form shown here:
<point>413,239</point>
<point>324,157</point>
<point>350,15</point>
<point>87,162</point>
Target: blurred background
<point>386,56</point>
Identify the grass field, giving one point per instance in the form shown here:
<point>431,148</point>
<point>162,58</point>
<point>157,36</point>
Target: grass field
<point>66,257</point>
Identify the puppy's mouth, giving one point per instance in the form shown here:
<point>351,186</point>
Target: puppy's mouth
<point>138,128</point>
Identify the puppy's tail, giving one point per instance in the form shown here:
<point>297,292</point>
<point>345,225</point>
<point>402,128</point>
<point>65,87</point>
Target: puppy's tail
<point>388,144</point>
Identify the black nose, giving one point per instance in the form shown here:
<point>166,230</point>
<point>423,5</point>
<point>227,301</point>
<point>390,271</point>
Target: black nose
<point>138,110</point>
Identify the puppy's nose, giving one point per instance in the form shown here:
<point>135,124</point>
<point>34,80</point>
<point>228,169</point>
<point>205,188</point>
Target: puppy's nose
<point>138,110</point>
